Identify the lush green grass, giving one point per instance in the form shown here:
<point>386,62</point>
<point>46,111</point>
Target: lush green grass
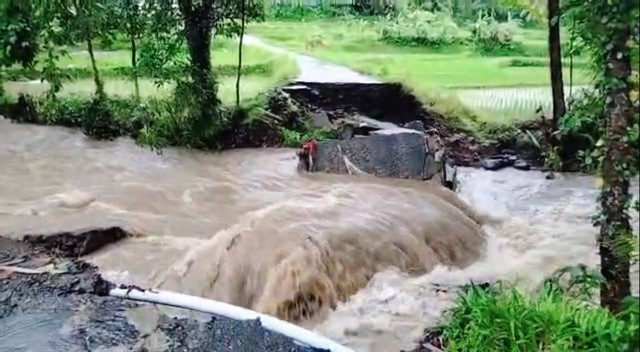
<point>504,319</point>
<point>511,103</point>
<point>439,77</point>
<point>356,44</point>
<point>254,82</point>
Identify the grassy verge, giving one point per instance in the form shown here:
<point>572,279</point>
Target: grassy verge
<point>504,319</point>
<point>166,115</point>
<point>435,75</point>
<point>117,63</point>
<point>357,44</point>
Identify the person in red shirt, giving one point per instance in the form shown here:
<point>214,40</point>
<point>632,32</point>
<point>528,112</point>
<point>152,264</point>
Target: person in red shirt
<point>307,155</point>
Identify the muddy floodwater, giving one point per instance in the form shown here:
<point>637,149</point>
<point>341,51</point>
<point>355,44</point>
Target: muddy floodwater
<point>244,227</point>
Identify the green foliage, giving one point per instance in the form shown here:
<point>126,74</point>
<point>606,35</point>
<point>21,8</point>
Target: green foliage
<point>422,28</point>
<point>490,37</point>
<point>165,75</point>
<point>541,62</point>
<point>585,120</point>
<point>295,139</point>
<point>297,12</point>
<point>528,12</point>
<point>99,121</point>
<point>18,33</point>
<point>2,79</point>
<point>501,318</point>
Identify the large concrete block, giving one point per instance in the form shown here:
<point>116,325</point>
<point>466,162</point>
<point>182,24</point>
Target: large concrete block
<point>399,153</point>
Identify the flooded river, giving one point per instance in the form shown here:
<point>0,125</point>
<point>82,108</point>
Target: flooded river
<point>244,227</point>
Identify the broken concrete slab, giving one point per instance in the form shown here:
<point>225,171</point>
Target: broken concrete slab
<point>399,153</point>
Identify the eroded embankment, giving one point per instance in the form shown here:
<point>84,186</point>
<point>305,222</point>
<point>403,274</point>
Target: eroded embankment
<point>387,102</point>
<point>57,303</point>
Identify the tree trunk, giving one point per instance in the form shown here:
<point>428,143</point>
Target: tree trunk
<point>615,263</point>
<point>96,74</point>
<point>134,65</point>
<point>242,27</point>
<point>555,66</point>
<point>198,27</point>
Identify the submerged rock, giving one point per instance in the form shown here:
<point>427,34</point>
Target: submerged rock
<point>493,164</point>
<point>500,161</point>
<point>522,165</point>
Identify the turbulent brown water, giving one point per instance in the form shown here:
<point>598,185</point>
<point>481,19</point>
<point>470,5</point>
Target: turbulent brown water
<point>244,227</point>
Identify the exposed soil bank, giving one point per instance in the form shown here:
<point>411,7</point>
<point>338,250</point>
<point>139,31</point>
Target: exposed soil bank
<point>70,310</point>
<point>77,243</point>
<point>387,102</point>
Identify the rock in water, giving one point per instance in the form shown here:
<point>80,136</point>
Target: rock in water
<point>415,125</point>
<point>493,164</point>
<point>399,153</point>
<point>522,165</point>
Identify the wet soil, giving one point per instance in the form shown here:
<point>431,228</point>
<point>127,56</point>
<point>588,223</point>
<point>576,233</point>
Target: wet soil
<point>387,102</point>
<point>71,311</point>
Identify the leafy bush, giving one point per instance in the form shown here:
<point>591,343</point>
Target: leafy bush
<point>422,28</point>
<point>302,12</point>
<point>529,13</point>
<point>295,139</point>
<point>502,318</point>
<point>584,121</point>
<point>18,33</point>
<point>490,37</point>
<point>99,120</point>
<point>74,73</point>
<point>540,62</point>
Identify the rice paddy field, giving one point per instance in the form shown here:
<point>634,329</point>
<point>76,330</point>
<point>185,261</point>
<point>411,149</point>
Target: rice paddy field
<point>512,103</point>
<point>496,88</point>
<point>262,71</point>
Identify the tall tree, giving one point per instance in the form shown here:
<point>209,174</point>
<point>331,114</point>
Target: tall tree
<point>133,25</point>
<point>18,33</point>
<point>555,66</point>
<point>606,29</point>
<point>82,21</point>
<point>240,45</point>
<point>618,166</point>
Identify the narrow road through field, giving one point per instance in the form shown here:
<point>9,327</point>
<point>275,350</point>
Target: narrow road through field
<point>314,70</point>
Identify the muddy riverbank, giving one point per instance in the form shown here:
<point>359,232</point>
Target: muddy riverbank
<point>58,303</point>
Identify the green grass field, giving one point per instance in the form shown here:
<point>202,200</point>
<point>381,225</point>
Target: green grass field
<point>448,73</point>
<point>279,68</point>
<point>355,44</point>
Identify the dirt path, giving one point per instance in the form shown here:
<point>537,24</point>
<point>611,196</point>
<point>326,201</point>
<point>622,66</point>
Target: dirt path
<point>314,70</point>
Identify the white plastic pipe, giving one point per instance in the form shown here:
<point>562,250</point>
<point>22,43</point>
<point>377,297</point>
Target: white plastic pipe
<point>230,311</point>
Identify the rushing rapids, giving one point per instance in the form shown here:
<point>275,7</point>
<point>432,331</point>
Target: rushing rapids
<point>354,257</point>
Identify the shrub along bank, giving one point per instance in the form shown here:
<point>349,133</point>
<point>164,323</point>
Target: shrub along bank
<point>158,118</point>
<point>559,317</point>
